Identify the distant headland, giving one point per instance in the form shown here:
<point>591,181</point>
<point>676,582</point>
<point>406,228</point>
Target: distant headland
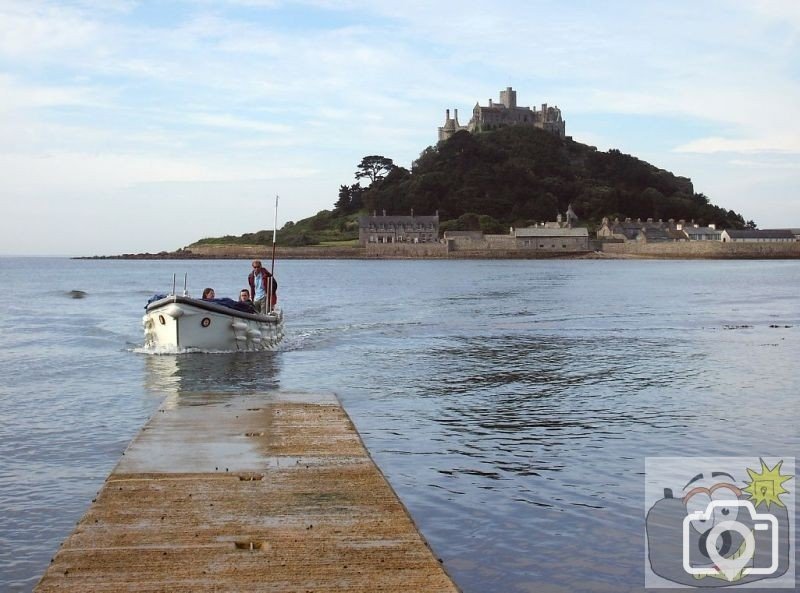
<point>509,184</point>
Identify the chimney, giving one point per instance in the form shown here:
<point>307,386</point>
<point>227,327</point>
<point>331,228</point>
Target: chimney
<point>384,211</point>
<point>412,213</point>
<point>491,103</point>
<point>437,214</point>
<point>456,116</point>
<point>374,213</point>
<point>447,118</point>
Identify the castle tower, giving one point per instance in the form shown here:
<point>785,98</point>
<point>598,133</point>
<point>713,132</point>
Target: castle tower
<point>450,127</point>
<point>508,98</point>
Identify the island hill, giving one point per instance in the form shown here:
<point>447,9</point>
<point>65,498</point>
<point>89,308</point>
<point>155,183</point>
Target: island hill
<point>487,182</point>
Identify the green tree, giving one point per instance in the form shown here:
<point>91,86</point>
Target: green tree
<point>343,203</point>
<point>350,199</point>
<point>374,167</point>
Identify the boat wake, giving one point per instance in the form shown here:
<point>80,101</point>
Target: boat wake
<point>170,350</point>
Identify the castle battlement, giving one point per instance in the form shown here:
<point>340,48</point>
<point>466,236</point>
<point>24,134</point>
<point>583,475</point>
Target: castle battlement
<point>505,113</point>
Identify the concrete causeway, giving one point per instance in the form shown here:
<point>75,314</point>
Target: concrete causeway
<point>272,492</point>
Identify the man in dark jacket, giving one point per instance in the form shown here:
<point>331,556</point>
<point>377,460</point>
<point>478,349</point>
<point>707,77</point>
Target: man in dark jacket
<point>261,282</point>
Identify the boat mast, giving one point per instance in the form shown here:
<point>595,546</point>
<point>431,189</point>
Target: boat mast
<point>272,270</point>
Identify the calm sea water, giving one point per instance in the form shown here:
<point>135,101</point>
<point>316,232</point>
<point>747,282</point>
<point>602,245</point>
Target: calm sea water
<point>510,404</point>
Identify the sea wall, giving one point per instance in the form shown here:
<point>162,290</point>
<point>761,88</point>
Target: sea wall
<point>446,251</point>
<point>406,250</point>
<point>484,250</point>
<point>705,250</point>
<point>484,243</point>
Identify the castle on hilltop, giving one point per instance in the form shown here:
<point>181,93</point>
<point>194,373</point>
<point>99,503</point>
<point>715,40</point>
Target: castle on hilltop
<point>505,113</point>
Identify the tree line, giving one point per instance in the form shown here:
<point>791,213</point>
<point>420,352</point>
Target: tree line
<point>519,176</point>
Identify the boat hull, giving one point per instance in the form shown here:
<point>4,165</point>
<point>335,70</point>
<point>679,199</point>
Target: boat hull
<point>179,323</point>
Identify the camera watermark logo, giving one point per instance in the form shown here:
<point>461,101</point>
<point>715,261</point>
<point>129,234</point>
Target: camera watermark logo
<point>719,522</point>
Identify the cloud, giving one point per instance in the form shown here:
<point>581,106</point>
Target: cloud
<point>793,165</point>
<point>226,120</point>
<point>713,145</point>
<point>30,29</point>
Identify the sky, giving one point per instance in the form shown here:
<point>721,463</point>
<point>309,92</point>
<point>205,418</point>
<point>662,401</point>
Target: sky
<point>130,126</point>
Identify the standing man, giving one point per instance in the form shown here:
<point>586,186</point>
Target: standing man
<point>259,280</point>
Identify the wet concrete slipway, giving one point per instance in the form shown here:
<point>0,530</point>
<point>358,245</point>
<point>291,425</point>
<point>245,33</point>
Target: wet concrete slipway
<point>272,492</point>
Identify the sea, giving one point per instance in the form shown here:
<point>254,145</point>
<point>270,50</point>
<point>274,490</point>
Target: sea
<point>512,405</point>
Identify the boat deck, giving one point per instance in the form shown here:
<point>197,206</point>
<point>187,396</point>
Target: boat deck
<point>271,492</point>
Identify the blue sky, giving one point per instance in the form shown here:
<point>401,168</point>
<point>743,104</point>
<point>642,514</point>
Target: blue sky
<point>130,126</point>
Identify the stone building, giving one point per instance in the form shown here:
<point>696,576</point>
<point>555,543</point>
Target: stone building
<point>552,239</point>
<point>758,236</point>
<point>641,231</point>
<point>398,229</point>
<point>701,233</point>
<point>549,237</point>
<point>506,113</point>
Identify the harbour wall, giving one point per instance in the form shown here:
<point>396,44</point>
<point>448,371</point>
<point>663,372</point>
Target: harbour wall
<point>704,250</point>
<point>600,249</point>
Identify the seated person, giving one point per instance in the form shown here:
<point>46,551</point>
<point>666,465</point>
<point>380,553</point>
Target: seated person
<point>208,294</point>
<point>244,299</point>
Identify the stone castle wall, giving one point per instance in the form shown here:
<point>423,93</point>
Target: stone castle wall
<point>705,250</point>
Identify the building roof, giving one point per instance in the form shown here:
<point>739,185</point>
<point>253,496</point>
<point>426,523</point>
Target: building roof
<point>760,234</point>
<point>545,232</point>
<point>701,230</point>
<point>656,234</point>
<point>639,225</point>
<point>397,219</point>
<point>677,235</point>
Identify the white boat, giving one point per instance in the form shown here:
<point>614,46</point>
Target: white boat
<point>180,323</point>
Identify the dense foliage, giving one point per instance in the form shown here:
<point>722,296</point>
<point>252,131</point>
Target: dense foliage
<point>513,176</point>
<point>518,175</point>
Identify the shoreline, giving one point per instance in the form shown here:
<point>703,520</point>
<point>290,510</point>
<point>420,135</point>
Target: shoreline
<point>619,251</point>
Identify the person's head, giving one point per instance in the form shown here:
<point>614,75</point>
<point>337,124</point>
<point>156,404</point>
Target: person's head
<point>208,293</point>
<point>256,264</point>
<point>244,294</point>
